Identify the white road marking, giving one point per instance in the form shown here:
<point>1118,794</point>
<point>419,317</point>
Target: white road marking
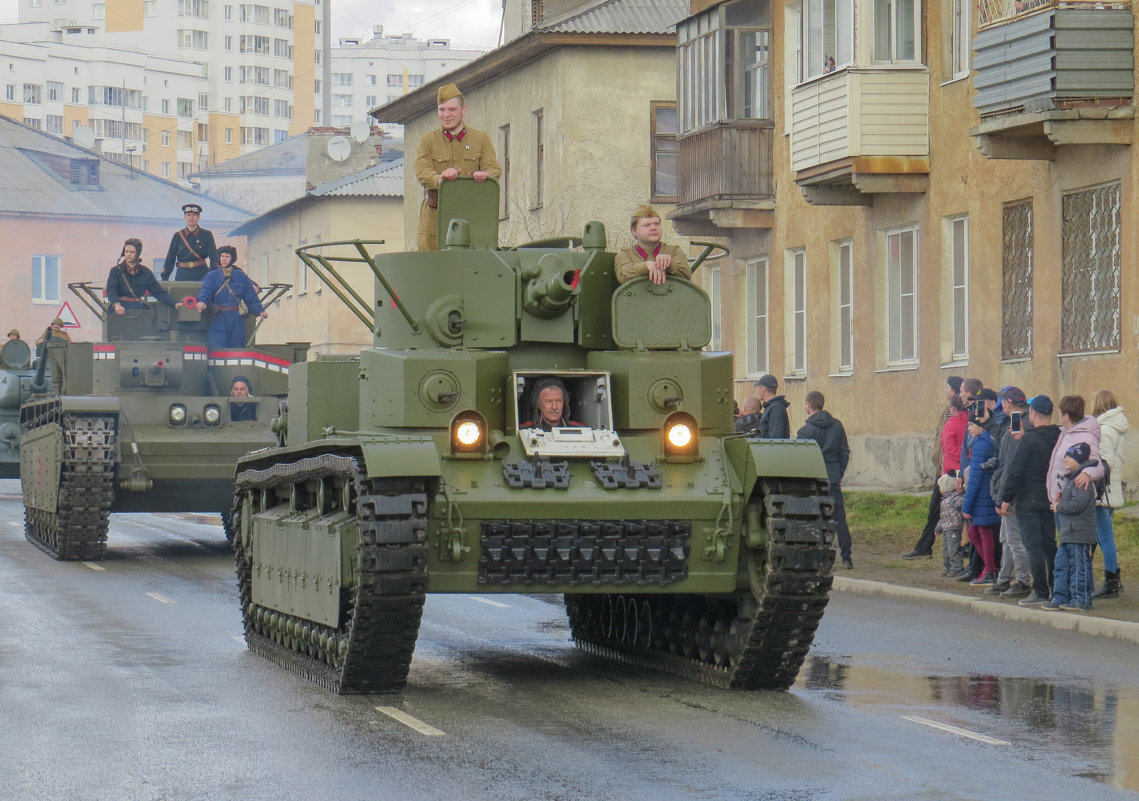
<point>93,566</point>
<point>409,721</point>
<point>160,598</point>
<point>239,639</point>
<point>15,523</point>
<point>972,735</point>
<point>489,602</point>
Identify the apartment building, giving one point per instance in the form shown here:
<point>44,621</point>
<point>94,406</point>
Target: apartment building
<point>913,190</point>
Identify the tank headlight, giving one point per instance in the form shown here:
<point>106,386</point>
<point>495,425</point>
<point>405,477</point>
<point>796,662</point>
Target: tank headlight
<point>681,435</point>
<point>177,414</point>
<point>213,415</point>
<point>468,433</point>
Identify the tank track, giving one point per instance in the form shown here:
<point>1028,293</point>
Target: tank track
<point>78,528</point>
<point>371,649</point>
<point>751,640</point>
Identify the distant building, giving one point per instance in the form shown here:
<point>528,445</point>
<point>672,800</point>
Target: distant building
<point>365,205</point>
<point>64,215</point>
<point>581,109</point>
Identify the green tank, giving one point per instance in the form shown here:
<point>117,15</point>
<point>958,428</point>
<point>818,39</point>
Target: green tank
<point>16,379</point>
<point>417,468</point>
<point>141,421</point>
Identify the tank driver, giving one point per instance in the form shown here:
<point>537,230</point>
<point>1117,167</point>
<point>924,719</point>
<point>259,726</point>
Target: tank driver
<point>190,248</point>
<point>550,407</point>
<point>447,153</point>
<point>648,255</point>
<point>223,291</point>
<point>129,280</point>
<point>239,409</point>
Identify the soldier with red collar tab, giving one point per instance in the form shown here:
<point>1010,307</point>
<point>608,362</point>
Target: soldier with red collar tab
<point>649,255</point>
<point>447,153</point>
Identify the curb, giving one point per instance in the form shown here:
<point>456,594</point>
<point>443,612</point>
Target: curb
<point>1065,621</point>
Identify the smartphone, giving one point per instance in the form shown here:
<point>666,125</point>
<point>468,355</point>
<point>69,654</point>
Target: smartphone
<point>1015,421</point>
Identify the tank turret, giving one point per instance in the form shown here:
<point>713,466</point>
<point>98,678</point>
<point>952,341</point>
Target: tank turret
<point>524,423</point>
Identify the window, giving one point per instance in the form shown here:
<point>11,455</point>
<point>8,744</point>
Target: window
<point>282,48</point>
<point>341,79</point>
<point>229,43</point>
<point>254,13</point>
<point>662,147</point>
<point>45,279</point>
<point>960,18</point>
<point>228,12</point>
<point>193,40</point>
<point>257,75</point>
<point>539,156</point>
<point>370,101</point>
<point>194,8</point>
<point>959,280</point>
<point>150,8</point>
<point>98,11</point>
<point>34,122</point>
<point>185,107</point>
<point>282,18</point>
<point>1016,280</point>
<point>282,79</point>
<point>279,136</point>
<point>504,183</point>
<point>843,283</point>
<point>901,295</point>
<point>896,35</point>
<point>55,91</point>
<point>33,93</point>
<point>185,140</point>
<point>113,96</point>
<point>717,341</point>
<point>10,92</point>
<point>166,138</point>
<point>254,44</point>
<point>796,288</point>
<point>828,36</point>
<point>395,80</point>
<point>203,101</point>
<point>166,169</point>
<point>54,124</point>
<point>1090,302</point>
<point>414,81</point>
<point>344,101</point>
<point>76,95</point>
<point>254,136</point>
<point>724,64</point>
<point>166,107</point>
<point>282,109</point>
<point>229,136</point>
<point>255,104</point>
<point>757,317</point>
<point>371,80</point>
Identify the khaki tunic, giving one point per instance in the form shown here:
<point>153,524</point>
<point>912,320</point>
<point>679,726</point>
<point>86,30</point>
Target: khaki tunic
<point>433,155</point>
<point>629,265</point>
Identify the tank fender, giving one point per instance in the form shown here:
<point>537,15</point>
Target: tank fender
<point>751,459</point>
<point>392,455</point>
<point>90,403</point>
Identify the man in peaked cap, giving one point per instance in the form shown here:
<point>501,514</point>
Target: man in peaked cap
<point>190,248</point>
<point>446,153</point>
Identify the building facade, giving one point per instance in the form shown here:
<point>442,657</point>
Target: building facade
<point>900,209</point>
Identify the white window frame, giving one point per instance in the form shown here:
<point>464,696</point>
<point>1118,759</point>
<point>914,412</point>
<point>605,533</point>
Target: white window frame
<point>888,51</point>
<point>795,283</point>
<point>41,291</point>
<point>758,317</point>
<point>958,269</point>
<point>826,32</point>
<point>960,42</point>
<point>844,305</point>
<point>902,340</point>
<point>715,298</point>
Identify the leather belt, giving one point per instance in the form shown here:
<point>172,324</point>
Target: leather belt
<point>224,308</point>
<point>198,263</point>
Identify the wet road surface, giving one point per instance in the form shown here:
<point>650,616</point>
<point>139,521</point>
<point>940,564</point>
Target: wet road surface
<point>129,680</point>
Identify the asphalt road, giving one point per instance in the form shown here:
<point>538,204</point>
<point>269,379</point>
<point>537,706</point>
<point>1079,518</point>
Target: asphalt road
<point>130,680</point>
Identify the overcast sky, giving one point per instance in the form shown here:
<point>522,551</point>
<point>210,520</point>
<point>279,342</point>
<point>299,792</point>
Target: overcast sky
<point>467,23</point>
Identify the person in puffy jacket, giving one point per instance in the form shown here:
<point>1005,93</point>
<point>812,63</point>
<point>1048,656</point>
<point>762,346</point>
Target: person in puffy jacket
<point>1112,426</point>
<point>1075,514</point>
<point>978,508</point>
<point>1075,426</point>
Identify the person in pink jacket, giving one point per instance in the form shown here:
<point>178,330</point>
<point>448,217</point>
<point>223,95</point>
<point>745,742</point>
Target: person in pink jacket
<point>1075,427</point>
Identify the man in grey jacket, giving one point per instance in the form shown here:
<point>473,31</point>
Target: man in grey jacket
<point>1014,580</point>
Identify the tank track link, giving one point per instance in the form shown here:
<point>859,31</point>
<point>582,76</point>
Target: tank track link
<point>371,649</point>
<point>751,640</point>
<point>77,530</point>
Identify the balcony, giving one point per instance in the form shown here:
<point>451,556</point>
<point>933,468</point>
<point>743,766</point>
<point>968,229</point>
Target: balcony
<point>725,178</point>
<point>1051,74</point>
<point>861,131</point>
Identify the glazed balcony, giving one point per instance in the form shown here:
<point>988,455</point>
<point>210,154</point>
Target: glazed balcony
<point>725,177</point>
<point>1051,73</point>
<point>859,132</point>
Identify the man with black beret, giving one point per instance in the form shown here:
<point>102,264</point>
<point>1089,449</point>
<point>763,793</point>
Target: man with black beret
<point>192,249</point>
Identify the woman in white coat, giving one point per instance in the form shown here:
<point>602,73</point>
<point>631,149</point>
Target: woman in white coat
<point>1113,425</point>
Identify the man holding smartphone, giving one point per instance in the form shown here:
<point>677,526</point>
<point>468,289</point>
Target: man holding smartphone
<point>1015,578</point>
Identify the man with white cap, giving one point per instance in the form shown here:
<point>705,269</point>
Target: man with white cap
<point>449,152</point>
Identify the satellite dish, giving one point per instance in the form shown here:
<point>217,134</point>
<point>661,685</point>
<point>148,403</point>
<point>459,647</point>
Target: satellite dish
<point>339,148</point>
<point>84,137</point>
<point>360,131</point>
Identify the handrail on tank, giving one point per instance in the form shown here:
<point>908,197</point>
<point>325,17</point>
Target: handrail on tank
<point>342,289</point>
<point>91,296</point>
<point>709,247</point>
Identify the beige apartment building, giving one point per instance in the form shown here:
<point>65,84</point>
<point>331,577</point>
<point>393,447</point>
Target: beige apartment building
<point>911,191</point>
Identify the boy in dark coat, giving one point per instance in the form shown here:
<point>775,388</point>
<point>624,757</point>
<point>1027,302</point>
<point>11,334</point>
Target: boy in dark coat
<point>1075,510</point>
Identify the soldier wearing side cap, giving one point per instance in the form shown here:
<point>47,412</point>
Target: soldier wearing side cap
<point>446,153</point>
<point>190,248</point>
<point>56,331</point>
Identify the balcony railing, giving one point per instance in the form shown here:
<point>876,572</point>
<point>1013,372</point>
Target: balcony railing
<point>726,161</point>
<point>995,12</point>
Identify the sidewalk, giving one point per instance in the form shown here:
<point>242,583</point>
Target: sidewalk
<point>887,575</point>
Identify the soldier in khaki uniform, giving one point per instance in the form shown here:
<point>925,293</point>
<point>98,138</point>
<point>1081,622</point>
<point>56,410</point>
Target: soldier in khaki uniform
<point>447,153</point>
<point>648,255</point>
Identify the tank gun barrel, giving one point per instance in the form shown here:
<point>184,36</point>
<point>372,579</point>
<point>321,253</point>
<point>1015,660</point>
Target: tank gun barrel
<point>39,382</point>
<point>549,294</point>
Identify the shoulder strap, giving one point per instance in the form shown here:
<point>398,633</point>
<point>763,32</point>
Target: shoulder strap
<point>127,281</point>
<point>224,286</point>
<point>182,233</point>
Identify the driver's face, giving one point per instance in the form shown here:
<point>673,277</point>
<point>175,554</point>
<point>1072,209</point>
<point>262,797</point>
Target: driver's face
<point>239,390</point>
<point>550,404</point>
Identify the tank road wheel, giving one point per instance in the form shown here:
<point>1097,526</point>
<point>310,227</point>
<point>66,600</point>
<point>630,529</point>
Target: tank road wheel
<point>75,525</point>
<point>381,603</point>
<point>756,638</point>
